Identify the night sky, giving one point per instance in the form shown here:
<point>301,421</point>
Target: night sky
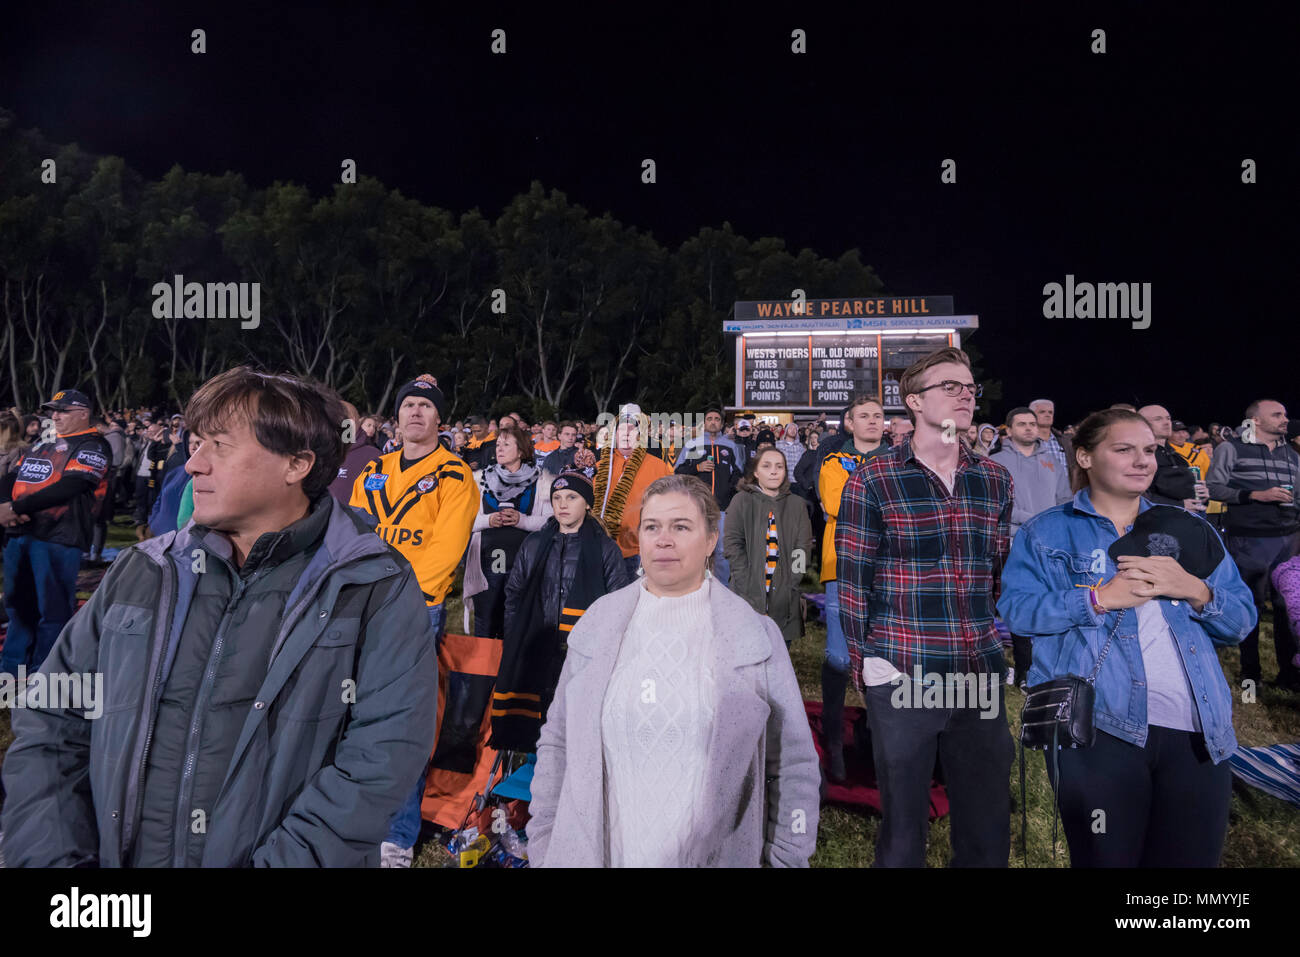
<point>1122,167</point>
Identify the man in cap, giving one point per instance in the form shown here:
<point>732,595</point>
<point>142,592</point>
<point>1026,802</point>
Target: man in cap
<point>48,503</point>
<point>623,474</point>
<point>425,499</point>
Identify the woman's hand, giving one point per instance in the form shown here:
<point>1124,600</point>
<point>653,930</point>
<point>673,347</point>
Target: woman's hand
<point>494,520</point>
<point>1160,576</point>
<point>1121,592</point>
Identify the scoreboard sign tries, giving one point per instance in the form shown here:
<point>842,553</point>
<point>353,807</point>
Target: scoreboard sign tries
<point>816,354</point>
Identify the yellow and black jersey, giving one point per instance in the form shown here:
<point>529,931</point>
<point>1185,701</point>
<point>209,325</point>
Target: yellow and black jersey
<point>835,472</point>
<point>425,510</point>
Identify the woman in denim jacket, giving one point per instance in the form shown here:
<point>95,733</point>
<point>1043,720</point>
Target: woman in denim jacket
<point>1159,768</point>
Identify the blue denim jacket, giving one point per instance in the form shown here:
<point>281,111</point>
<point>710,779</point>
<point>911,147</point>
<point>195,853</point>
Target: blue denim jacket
<point>1067,546</point>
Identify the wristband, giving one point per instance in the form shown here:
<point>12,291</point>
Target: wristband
<point>1097,606</point>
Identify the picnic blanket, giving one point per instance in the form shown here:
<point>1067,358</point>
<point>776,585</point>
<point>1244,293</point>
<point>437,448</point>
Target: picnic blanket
<point>1274,770</point>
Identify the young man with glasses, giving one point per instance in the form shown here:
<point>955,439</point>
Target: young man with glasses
<point>920,542</point>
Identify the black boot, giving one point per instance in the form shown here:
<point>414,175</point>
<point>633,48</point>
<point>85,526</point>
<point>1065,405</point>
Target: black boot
<point>834,684</point>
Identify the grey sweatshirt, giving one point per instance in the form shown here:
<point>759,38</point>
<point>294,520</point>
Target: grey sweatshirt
<point>1038,480</point>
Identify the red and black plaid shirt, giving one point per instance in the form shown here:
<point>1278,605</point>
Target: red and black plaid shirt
<point>919,568</point>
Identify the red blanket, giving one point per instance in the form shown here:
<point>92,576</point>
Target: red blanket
<point>859,790</point>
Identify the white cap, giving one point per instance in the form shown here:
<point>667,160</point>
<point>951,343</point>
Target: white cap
<point>630,413</point>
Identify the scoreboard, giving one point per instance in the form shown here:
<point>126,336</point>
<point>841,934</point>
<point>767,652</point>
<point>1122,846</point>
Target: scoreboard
<point>819,354</point>
<point>799,372</point>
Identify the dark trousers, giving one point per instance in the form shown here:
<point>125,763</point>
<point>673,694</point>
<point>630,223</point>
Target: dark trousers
<point>143,500</point>
<point>490,607</point>
<point>976,755</point>
<point>1022,656</point>
<point>40,598</point>
<point>1256,558</point>
<point>1164,805</point>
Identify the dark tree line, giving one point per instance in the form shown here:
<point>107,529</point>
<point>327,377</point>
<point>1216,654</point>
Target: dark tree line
<point>365,288</point>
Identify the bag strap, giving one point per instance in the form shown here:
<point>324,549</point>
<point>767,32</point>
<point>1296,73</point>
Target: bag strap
<point>1024,813</point>
<point>1105,649</point>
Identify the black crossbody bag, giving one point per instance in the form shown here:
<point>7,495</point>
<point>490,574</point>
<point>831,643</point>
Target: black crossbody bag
<point>1058,714</point>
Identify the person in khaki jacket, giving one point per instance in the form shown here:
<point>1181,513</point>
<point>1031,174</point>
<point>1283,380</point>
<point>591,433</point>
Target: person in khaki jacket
<point>677,736</point>
<point>769,542</point>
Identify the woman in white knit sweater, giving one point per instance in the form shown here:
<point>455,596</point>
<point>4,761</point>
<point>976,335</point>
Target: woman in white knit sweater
<point>677,736</point>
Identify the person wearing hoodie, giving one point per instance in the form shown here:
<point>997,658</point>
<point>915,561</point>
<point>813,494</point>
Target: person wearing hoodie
<point>1038,483</point>
<point>769,542</point>
<point>359,454</point>
<point>560,570</point>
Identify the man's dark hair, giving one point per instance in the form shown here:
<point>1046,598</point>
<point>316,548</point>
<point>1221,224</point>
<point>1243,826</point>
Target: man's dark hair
<point>287,415</point>
<point>1020,410</point>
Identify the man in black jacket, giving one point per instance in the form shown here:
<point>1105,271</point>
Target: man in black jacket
<point>719,464</point>
<point>562,458</point>
<point>1174,482</point>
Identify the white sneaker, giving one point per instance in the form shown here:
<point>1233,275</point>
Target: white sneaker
<point>391,855</point>
<point>1011,676</point>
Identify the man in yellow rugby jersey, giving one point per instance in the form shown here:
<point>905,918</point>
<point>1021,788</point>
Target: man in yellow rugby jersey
<point>425,500</point>
<point>865,423</point>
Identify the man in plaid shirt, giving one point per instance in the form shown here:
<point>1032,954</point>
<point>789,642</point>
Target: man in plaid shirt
<point>921,539</point>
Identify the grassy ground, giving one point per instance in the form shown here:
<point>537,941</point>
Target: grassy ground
<point>1263,831</point>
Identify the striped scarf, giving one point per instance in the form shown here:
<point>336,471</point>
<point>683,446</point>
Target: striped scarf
<point>611,514</point>
<point>772,552</point>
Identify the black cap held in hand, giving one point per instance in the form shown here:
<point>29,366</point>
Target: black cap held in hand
<point>1168,530</point>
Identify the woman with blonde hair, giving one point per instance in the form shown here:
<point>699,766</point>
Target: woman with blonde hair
<point>1134,598</point>
<point>677,736</point>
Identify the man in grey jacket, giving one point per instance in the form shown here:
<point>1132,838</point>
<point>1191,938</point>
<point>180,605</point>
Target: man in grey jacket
<point>268,670</point>
<point>1038,483</point>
